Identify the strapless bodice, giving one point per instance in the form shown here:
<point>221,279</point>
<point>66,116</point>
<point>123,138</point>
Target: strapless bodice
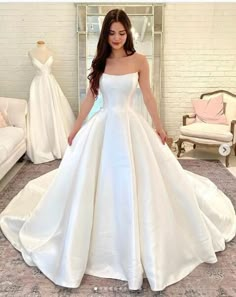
<point>118,90</point>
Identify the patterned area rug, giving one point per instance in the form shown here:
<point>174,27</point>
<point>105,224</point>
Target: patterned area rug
<point>19,280</point>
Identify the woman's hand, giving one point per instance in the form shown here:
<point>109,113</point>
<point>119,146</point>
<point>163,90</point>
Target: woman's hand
<point>161,132</point>
<point>71,137</point>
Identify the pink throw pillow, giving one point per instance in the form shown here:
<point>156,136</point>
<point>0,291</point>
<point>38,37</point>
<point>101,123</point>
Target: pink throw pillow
<point>3,121</point>
<point>210,111</point>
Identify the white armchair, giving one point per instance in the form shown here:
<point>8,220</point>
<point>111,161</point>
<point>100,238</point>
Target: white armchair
<point>200,133</point>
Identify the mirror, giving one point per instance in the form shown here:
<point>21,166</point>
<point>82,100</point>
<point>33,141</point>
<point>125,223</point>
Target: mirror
<point>147,34</point>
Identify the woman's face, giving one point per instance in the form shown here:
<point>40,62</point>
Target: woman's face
<point>117,35</point>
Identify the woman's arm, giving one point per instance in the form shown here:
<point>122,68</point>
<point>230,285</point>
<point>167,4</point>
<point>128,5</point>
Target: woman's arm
<point>149,99</point>
<point>85,108</point>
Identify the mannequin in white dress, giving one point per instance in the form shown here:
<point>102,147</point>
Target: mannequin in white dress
<point>120,205</point>
<point>50,117</point>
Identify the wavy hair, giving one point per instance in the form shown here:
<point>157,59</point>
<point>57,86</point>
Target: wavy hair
<point>104,49</point>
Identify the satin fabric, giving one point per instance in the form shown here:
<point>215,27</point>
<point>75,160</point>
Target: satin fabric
<point>50,118</point>
<point>120,205</point>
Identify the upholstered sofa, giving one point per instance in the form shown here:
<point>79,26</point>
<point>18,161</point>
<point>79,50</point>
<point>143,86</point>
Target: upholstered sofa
<point>12,137</point>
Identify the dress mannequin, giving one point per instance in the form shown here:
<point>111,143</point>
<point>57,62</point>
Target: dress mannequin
<point>50,117</point>
<point>41,52</point>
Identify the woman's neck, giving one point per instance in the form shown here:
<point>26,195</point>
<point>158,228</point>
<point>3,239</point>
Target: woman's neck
<point>117,54</point>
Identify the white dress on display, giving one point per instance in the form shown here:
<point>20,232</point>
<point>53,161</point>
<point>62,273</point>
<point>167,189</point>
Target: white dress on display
<point>120,205</point>
<point>50,118</point>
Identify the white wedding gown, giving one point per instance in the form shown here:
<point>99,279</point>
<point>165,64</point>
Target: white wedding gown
<point>120,205</point>
<point>50,118</point>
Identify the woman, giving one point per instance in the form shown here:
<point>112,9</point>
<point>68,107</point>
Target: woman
<point>120,205</point>
<point>116,55</point>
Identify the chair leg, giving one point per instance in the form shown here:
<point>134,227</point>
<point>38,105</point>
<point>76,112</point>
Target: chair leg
<point>194,146</point>
<point>227,161</point>
<point>227,158</point>
<point>179,144</point>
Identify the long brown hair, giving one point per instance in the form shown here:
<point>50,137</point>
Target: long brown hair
<point>103,47</point>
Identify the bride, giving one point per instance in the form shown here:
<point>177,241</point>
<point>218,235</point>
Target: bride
<point>120,205</point>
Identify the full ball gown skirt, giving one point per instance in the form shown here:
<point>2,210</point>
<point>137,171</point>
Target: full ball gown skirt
<point>50,118</point>
<point>120,205</point>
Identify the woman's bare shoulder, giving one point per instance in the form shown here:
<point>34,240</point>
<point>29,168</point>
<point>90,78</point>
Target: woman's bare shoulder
<point>139,60</point>
<point>139,57</point>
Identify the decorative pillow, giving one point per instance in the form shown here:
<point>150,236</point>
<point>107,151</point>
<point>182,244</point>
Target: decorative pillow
<point>210,111</point>
<point>3,121</point>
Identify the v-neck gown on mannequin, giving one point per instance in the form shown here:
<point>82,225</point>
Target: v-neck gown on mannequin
<point>120,205</point>
<point>50,118</point>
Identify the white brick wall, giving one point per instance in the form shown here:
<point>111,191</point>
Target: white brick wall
<point>199,56</point>
<point>21,25</point>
